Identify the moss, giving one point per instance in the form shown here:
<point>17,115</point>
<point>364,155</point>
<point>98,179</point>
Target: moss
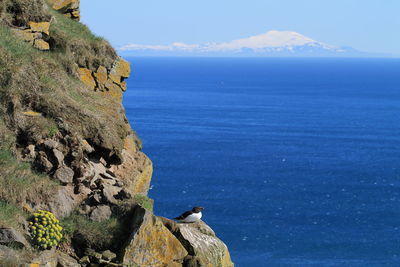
<point>144,201</point>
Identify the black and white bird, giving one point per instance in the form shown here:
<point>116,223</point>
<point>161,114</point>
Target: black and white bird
<point>190,216</point>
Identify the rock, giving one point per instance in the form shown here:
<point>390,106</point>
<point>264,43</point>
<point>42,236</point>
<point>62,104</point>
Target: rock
<point>85,209</point>
<point>86,77</point>
<point>96,198</point>
<point>84,260</point>
<point>151,243</point>
<point>66,261</point>
<point>59,156</point>
<point>100,213</point>
<point>50,144</point>
<point>41,45</point>
<point>64,5</point>
<point>109,191</point>
<point>53,258</point>
<point>192,261</point>
<point>170,224</point>
<point>64,174</point>
<point>98,167</point>
<point>96,257</point>
<point>135,171</point>
<point>123,86</point>
<point>108,255</point>
<point>31,151</point>
<point>26,35</point>
<point>39,26</point>
<point>86,147</point>
<point>64,201</point>
<point>113,90</point>
<point>121,68</point>
<point>31,113</point>
<point>101,75</point>
<point>200,241</point>
<point>117,79</point>
<point>10,237</point>
<point>42,163</point>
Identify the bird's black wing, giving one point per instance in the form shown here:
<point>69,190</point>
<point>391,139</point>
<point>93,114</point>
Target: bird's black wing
<point>184,215</point>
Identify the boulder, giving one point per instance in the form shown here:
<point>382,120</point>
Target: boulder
<point>86,77</point>
<point>10,237</point>
<point>151,243</point>
<point>59,157</point>
<point>101,75</point>
<point>64,201</point>
<point>66,261</point>
<point>87,147</point>
<point>109,193</point>
<point>41,45</point>
<point>42,163</point>
<point>64,174</point>
<point>201,243</point>
<point>39,26</point>
<point>64,5</point>
<point>121,68</point>
<point>31,153</point>
<point>100,213</point>
<point>50,144</point>
<point>113,90</point>
<point>54,258</point>
<point>135,171</point>
<point>107,255</point>
<point>26,35</point>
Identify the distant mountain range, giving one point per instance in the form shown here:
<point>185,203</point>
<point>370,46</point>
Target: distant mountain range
<point>272,43</point>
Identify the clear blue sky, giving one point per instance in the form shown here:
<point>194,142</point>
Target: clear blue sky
<point>367,25</point>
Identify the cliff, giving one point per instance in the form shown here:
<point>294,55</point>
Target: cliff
<point>66,147</point>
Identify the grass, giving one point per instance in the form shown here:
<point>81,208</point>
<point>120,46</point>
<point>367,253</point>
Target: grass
<point>11,262</point>
<point>18,182</point>
<point>98,235</point>
<point>9,215</point>
<point>144,201</point>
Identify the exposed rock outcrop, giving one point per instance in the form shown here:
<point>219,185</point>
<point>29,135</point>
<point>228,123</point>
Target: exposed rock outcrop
<point>203,246</point>
<point>151,244</point>
<point>69,8</point>
<point>10,237</point>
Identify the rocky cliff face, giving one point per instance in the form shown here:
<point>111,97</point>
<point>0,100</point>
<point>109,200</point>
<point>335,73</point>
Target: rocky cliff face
<point>67,147</point>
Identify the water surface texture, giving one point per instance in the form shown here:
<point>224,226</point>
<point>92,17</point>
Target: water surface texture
<point>297,161</point>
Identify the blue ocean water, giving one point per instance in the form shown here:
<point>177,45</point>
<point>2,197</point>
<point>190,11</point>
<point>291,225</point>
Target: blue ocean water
<point>297,161</point>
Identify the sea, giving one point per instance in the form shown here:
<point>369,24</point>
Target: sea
<point>296,160</point>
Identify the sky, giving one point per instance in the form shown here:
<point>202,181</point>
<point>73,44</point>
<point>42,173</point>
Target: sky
<point>366,25</point>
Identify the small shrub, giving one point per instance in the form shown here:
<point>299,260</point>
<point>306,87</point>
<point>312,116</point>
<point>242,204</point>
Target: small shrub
<point>45,230</point>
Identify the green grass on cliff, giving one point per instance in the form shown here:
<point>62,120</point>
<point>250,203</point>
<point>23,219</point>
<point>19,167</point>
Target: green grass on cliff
<point>9,215</point>
<point>18,181</point>
<point>97,235</point>
<point>144,201</point>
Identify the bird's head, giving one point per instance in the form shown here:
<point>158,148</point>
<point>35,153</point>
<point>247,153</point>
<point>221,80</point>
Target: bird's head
<point>197,209</point>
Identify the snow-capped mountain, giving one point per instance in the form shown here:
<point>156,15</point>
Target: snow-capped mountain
<point>272,43</point>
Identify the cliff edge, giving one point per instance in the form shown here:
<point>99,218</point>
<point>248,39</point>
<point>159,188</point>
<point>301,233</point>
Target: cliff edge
<point>66,147</point>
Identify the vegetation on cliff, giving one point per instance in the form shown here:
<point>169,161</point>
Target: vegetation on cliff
<point>66,147</point>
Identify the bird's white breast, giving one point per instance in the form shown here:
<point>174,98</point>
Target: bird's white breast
<point>194,217</point>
